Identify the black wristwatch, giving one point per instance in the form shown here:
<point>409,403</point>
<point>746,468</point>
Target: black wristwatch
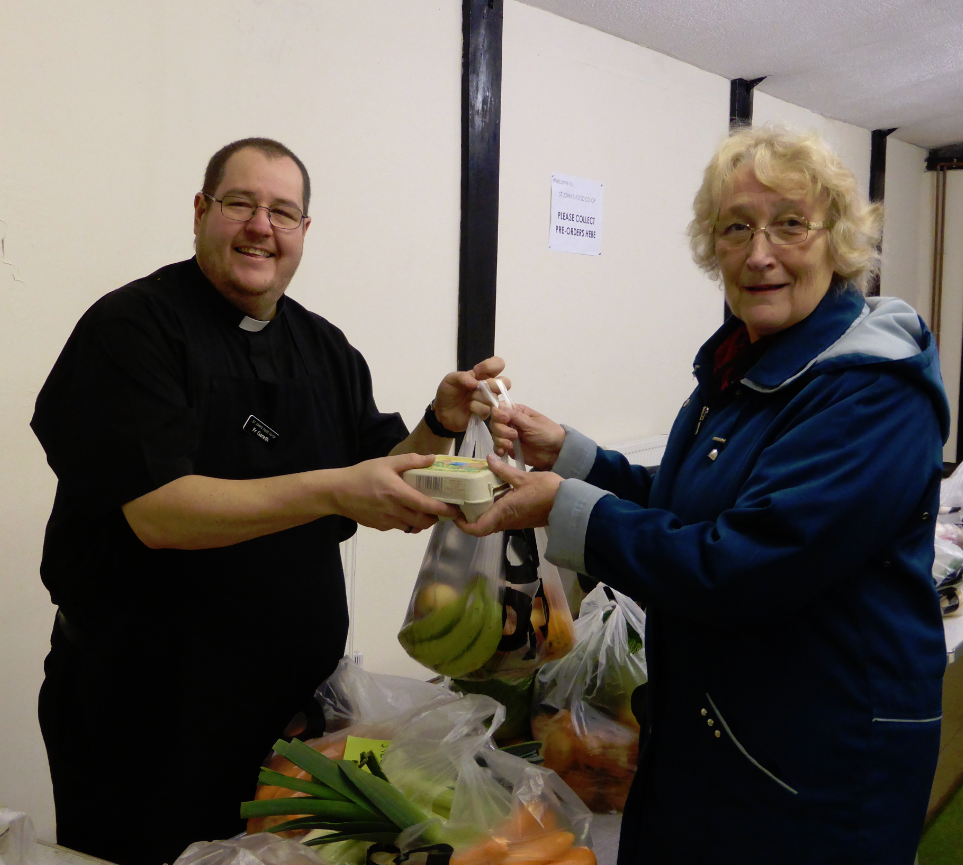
<point>435,425</point>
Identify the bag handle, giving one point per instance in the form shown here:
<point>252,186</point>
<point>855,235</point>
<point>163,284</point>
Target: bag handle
<point>504,398</point>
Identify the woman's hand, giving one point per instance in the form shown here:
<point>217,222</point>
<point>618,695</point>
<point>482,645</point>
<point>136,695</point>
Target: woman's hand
<point>458,397</point>
<point>526,506</point>
<point>541,437</point>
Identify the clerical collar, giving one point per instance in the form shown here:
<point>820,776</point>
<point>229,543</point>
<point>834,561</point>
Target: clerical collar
<point>252,324</point>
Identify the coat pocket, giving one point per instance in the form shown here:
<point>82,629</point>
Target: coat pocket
<point>750,760</point>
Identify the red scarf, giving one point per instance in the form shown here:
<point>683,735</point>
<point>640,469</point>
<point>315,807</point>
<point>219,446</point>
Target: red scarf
<point>733,359</point>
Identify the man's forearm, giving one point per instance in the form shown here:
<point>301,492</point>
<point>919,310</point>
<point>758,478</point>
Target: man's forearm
<point>196,512</point>
<point>422,441</point>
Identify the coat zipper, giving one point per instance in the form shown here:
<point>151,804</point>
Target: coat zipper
<point>702,417</point>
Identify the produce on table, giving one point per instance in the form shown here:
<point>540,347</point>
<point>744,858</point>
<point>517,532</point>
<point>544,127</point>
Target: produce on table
<point>340,797</point>
<point>582,710</point>
<point>524,839</point>
<point>460,634</point>
<point>515,696</point>
<point>281,765</point>
<point>493,807</point>
<point>598,760</point>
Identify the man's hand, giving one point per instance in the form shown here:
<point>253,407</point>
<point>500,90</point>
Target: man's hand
<point>541,437</point>
<point>458,397</point>
<point>196,512</point>
<point>526,506</point>
<point>374,494</point>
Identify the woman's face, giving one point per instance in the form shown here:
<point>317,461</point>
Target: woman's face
<point>771,287</point>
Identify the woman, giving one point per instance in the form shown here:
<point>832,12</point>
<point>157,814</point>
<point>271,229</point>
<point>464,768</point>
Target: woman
<point>783,549</point>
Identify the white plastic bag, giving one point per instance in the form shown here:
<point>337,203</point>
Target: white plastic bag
<point>18,841</point>
<point>948,575</point>
<point>351,695</point>
<point>496,799</point>
<point>486,607</point>
<point>951,489</point>
<point>582,706</point>
<point>261,849</point>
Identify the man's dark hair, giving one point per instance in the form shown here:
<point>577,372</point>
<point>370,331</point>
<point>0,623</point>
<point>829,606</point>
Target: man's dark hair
<point>269,147</point>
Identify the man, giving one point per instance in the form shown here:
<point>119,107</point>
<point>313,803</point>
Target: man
<point>213,443</point>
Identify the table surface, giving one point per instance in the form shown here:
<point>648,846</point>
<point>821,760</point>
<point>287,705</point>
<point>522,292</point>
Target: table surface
<point>605,843</point>
<point>605,837</point>
<point>53,854</point>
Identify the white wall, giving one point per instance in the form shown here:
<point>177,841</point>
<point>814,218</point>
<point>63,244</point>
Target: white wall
<point>903,228</point>
<point>851,143</point>
<point>604,343</point>
<point>951,318</point>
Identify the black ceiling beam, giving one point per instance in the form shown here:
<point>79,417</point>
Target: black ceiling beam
<point>740,114</point>
<point>740,100</point>
<point>481,108</point>
<point>877,182</point>
<point>877,163</point>
<point>950,157</point>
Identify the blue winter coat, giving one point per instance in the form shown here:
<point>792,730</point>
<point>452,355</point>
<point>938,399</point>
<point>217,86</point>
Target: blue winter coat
<point>783,552</point>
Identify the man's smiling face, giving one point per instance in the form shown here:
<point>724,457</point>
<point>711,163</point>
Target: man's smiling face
<point>251,263</point>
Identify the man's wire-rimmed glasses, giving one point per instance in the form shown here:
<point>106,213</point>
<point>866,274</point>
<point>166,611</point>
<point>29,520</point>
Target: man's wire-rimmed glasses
<point>782,232</point>
<point>283,216</point>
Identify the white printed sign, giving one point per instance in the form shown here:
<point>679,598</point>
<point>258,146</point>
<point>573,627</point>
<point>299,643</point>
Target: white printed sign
<point>576,215</point>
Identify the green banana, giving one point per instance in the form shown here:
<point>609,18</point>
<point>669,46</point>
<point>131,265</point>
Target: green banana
<point>436,624</point>
<point>481,647</point>
<point>433,652</point>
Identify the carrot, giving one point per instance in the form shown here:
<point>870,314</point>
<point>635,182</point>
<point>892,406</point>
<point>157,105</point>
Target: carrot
<point>277,763</point>
<point>577,856</point>
<point>524,823</point>
<point>491,851</point>
<point>542,848</point>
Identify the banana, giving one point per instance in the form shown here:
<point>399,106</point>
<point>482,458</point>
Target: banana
<point>482,647</point>
<point>436,624</point>
<point>431,653</point>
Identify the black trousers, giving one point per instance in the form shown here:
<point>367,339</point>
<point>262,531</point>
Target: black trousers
<point>131,785</point>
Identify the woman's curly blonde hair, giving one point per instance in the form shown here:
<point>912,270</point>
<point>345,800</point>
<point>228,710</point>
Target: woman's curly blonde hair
<point>796,164</point>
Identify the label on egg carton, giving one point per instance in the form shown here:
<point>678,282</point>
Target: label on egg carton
<point>463,481</point>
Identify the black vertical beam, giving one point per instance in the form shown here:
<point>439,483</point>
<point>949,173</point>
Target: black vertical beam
<point>481,108</point>
<point>877,183</point>
<point>740,100</point>
<point>877,163</point>
<point>740,114</point>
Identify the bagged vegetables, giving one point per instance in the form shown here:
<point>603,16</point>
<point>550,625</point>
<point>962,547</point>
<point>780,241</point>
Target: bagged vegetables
<point>441,782</point>
<point>582,709</point>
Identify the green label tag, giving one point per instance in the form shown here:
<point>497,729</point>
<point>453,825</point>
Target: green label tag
<point>355,746</point>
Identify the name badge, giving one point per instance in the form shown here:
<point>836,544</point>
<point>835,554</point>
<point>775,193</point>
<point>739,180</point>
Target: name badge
<point>259,429</point>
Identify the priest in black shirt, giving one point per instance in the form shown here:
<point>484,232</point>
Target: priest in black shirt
<point>213,442</point>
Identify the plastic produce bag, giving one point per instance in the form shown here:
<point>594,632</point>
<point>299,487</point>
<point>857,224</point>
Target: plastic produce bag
<point>486,607</point>
<point>496,805</point>
<point>478,800</point>
<point>951,490</point>
<point>18,840</point>
<point>263,849</point>
<point>582,709</point>
<point>351,695</point>
<point>948,575</point>
<point>359,704</point>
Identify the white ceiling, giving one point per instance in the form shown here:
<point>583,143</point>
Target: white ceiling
<point>877,64</point>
